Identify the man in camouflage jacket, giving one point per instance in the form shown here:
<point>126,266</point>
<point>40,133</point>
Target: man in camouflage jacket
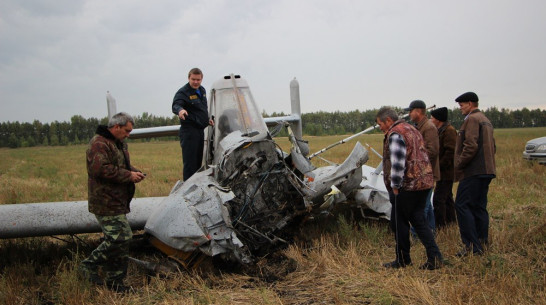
<point>111,186</point>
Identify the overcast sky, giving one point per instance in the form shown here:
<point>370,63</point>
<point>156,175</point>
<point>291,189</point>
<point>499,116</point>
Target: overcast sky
<point>59,57</point>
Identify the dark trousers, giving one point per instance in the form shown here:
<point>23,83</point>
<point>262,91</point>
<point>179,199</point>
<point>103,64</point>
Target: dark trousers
<point>472,215</point>
<point>192,142</point>
<point>409,207</point>
<point>430,220</point>
<point>444,206</point>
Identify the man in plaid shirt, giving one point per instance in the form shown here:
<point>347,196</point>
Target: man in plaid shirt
<point>407,174</point>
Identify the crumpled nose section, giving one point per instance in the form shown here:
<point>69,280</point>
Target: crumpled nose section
<point>194,216</point>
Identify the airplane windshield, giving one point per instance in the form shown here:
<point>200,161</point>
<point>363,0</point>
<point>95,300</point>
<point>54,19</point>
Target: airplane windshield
<point>236,112</point>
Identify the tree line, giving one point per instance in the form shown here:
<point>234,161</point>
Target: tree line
<point>80,130</point>
<point>327,123</point>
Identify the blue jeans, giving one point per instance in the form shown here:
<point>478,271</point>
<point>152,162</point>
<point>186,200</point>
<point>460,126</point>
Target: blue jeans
<point>429,213</point>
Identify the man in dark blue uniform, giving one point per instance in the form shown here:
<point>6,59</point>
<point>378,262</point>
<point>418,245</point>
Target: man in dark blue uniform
<point>190,104</point>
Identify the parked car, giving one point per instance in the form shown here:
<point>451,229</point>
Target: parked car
<point>535,149</point>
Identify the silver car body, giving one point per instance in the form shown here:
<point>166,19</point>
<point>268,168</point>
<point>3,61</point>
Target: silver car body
<point>535,149</point>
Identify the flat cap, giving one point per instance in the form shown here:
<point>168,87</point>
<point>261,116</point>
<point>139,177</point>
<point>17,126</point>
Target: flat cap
<point>416,104</point>
<point>467,97</point>
<point>440,114</point>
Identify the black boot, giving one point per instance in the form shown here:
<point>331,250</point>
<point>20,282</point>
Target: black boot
<point>119,287</point>
<point>396,264</point>
<point>89,274</point>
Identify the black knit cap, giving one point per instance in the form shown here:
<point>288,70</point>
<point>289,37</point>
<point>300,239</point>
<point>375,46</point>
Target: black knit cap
<point>467,97</point>
<point>440,114</point>
<point>416,104</point>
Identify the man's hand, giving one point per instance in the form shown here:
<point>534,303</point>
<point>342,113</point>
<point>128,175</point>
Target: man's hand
<point>136,177</point>
<point>211,122</point>
<point>182,114</point>
<point>395,191</point>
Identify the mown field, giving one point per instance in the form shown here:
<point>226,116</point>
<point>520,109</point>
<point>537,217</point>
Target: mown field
<point>333,262</point>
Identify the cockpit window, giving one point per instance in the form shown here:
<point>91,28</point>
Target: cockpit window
<point>236,111</point>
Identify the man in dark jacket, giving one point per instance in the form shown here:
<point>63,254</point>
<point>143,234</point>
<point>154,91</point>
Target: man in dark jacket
<point>474,169</point>
<point>444,206</point>
<point>408,177</point>
<point>190,105</point>
<point>111,186</point>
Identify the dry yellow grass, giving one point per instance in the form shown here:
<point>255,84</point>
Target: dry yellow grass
<point>333,262</point>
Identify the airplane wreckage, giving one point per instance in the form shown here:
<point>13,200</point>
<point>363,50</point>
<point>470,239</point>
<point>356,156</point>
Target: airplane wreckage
<point>246,200</point>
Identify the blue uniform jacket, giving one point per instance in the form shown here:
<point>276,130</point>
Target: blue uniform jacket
<point>196,106</point>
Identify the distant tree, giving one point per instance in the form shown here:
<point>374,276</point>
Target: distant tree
<point>52,135</point>
<point>507,120</point>
<point>64,140</point>
<point>38,133</point>
<point>4,134</point>
<point>80,128</point>
<point>13,141</point>
<point>31,142</point>
<point>538,117</point>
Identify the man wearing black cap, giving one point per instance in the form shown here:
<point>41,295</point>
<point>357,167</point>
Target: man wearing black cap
<point>444,206</point>
<point>474,169</point>
<point>417,113</point>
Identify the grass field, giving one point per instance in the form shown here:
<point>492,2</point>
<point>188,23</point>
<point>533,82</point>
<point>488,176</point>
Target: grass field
<point>334,262</point>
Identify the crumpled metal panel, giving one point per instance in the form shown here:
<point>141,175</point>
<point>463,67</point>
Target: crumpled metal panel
<point>194,216</point>
<point>233,141</point>
<point>372,193</point>
<point>346,176</point>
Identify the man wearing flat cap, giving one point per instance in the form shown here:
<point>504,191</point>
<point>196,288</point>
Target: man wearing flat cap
<point>417,113</point>
<point>444,206</point>
<point>474,169</point>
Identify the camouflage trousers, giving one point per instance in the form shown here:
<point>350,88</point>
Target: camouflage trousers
<point>111,255</point>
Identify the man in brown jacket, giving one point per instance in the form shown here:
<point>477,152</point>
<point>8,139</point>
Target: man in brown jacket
<point>111,186</point>
<point>417,113</point>
<point>474,169</point>
<point>444,206</point>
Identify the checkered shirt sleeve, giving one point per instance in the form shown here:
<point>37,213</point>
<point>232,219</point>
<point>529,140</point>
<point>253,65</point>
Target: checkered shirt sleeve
<point>397,147</point>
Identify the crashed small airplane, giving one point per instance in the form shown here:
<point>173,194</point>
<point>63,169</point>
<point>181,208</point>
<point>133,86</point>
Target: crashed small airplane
<point>245,201</point>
